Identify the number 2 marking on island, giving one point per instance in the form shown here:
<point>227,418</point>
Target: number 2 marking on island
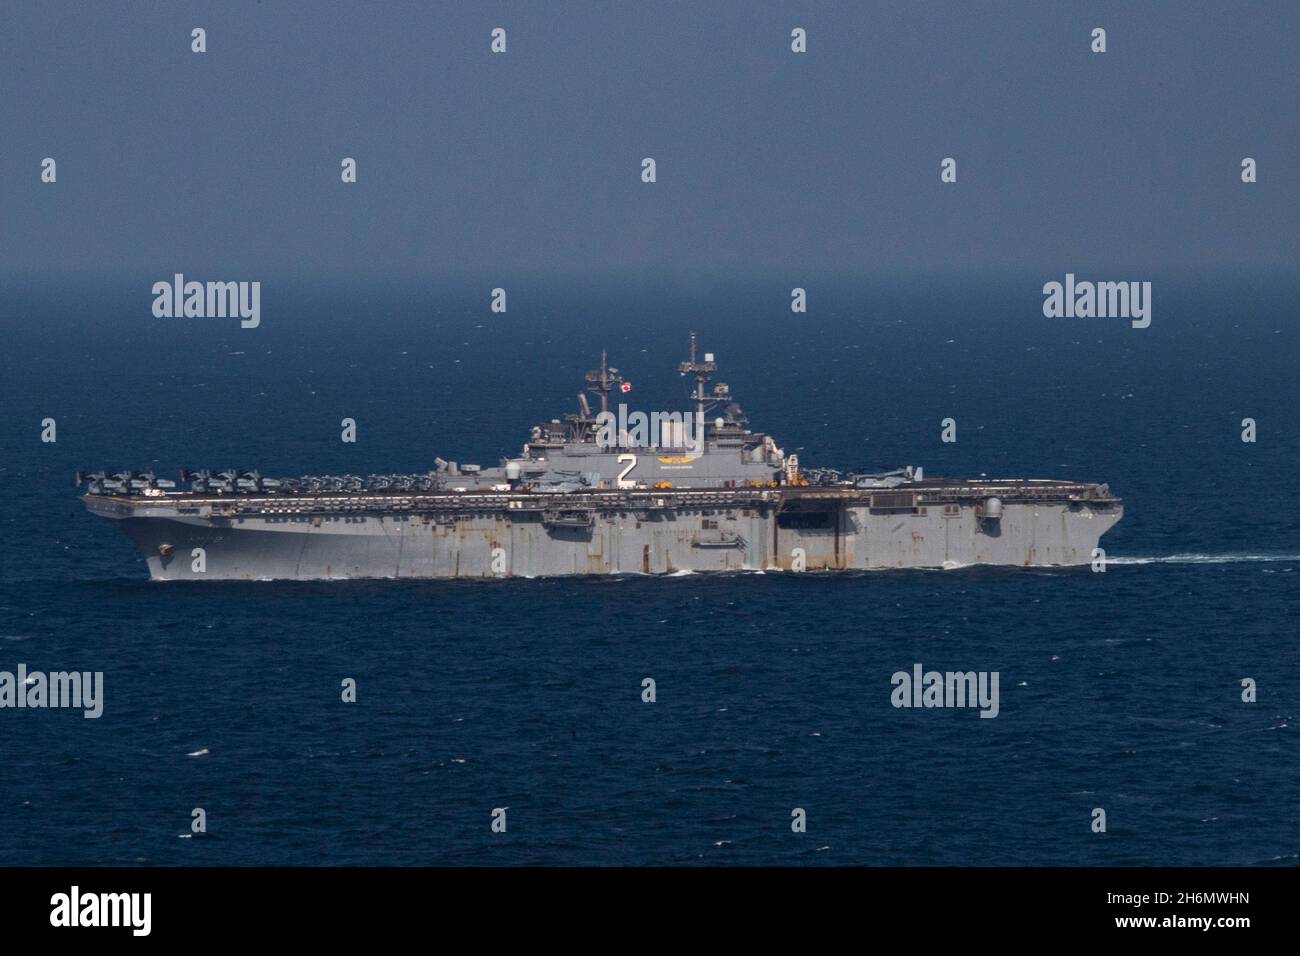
<point>631,463</point>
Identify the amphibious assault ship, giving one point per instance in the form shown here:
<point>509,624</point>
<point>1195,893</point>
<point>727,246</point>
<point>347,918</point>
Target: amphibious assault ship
<point>601,493</point>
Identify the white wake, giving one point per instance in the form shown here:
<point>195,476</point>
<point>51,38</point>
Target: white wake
<point>1203,559</point>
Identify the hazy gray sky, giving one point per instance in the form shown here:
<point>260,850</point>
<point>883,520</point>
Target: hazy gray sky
<point>226,164</point>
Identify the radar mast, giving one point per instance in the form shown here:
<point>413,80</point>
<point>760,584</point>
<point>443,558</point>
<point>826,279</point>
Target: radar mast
<point>601,381</point>
<point>702,372</point>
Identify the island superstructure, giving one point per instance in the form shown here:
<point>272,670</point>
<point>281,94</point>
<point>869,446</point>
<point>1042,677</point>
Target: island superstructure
<point>601,493</point>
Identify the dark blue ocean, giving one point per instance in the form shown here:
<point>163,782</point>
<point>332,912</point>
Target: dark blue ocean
<point>1119,690</point>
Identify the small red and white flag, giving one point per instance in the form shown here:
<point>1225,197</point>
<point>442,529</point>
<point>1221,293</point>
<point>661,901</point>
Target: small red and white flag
<point>627,386</point>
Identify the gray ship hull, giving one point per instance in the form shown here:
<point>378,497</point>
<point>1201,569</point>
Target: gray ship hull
<point>930,525</point>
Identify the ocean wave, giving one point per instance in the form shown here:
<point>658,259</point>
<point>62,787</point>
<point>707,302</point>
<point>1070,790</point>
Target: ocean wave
<point>1202,558</point>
